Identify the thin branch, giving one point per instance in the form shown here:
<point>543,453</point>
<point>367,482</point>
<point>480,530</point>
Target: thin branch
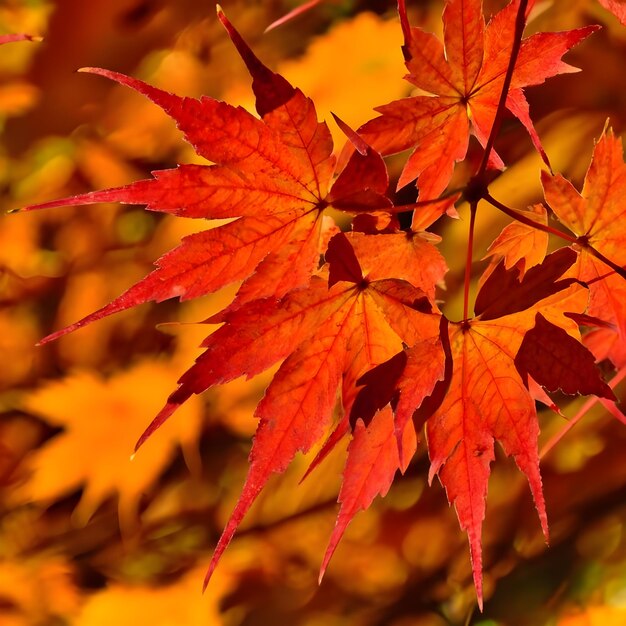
<point>468,263</point>
<point>584,409</point>
<point>520,217</point>
<point>520,23</point>
<point>614,266</point>
<point>420,203</point>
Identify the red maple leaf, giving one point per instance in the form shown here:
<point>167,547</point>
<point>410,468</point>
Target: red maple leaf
<point>465,76</point>
<point>328,334</point>
<point>361,331</point>
<point>273,174</point>
<point>488,398</point>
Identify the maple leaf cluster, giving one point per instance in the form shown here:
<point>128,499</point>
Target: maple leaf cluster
<point>353,317</point>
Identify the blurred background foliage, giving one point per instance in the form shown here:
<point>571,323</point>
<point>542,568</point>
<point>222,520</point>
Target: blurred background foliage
<point>89,538</point>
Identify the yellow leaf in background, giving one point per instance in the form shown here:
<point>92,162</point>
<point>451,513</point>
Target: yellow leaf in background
<point>178,604</point>
<point>369,73</point>
<point>36,591</point>
<point>85,292</point>
<point>102,420</point>
<point>18,335</point>
<point>596,616</point>
<point>17,97</point>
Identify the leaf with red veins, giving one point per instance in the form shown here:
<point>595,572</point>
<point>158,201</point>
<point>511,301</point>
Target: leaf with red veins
<point>263,332</point>
<point>407,310</point>
<point>410,256</point>
<point>488,401</point>
<point>227,135</point>
<point>370,468</point>
<point>408,382</point>
<point>273,174</point>
<point>370,348</point>
<point>198,191</point>
<point>540,56</point>
<point>425,59</point>
<point>300,253</point>
<point>403,122</point>
<point>434,158</point>
<point>498,38</point>
<point>425,367</point>
<point>295,411</point>
<point>288,111</point>
<point>297,408</point>
<point>518,105</point>
<point>596,217</point>
<point>253,338</point>
<point>465,79</point>
<point>617,7</point>
<point>521,245</point>
<point>557,361</point>
<point>464,33</point>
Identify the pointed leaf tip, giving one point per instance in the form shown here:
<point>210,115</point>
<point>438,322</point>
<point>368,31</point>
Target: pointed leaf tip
<point>297,12</point>
<point>355,139</point>
<point>271,90</point>
<point>164,414</point>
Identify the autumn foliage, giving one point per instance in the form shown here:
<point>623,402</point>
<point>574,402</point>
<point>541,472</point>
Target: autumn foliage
<point>329,258</point>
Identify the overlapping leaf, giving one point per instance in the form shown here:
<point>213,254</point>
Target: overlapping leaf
<point>488,398</point>
<point>271,174</point>
<point>329,334</point>
<point>465,76</point>
<point>596,216</point>
<point>362,332</point>
<point>521,245</point>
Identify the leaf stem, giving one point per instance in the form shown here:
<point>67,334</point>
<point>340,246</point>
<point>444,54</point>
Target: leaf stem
<point>618,269</point>
<point>614,266</point>
<point>520,23</point>
<point>420,203</point>
<point>468,263</point>
<point>516,215</point>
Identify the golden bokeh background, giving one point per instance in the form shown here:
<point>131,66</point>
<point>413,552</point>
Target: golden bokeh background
<point>89,538</point>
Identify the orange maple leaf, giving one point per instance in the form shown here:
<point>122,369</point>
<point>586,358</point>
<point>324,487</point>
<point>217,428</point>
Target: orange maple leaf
<point>596,216</point>
<point>99,447</point>
<point>466,78</point>
<point>488,398</point>
<point>520,245</point>
<point>329,334</point>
